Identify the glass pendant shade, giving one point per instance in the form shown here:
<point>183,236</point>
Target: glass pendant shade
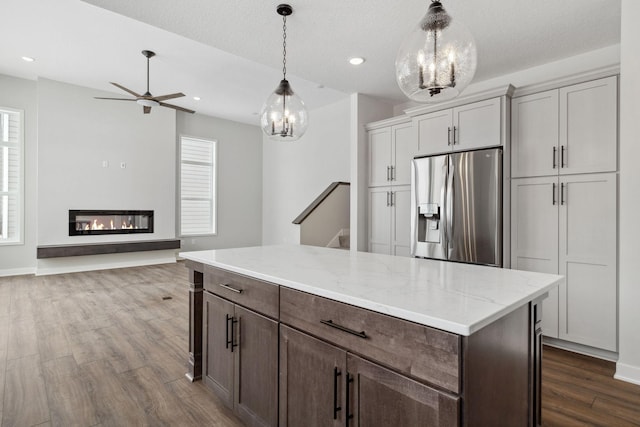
<point>284,116</point>
<point>438,59</point>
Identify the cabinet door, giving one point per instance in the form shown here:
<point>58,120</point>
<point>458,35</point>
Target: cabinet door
<point>380,220</point>
<point>312,378</point>
<point>379,157</point>
<point>534,236</point>
<point>434,132</point>
<point>256,391</point>
<point>588,127</point>
<point>403,148</point>
<point>380,397</point>
<point>534,134</point>
<point>477,125</point>
<point>588,253</point>
<point>401,221</point>
<point>218,360</point>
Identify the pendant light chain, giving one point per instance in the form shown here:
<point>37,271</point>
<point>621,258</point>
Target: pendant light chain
<point>284,47</point>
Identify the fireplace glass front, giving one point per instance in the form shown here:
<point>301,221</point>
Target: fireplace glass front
<point>85,222</point>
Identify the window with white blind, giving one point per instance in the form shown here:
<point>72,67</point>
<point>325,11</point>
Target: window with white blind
<point>10,176</point>
<point>197,187</point>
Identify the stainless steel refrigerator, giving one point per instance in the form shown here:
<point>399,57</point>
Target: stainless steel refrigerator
<point>456,207</point>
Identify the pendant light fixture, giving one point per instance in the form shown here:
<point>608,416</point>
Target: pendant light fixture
<point>438,59</point>
<point>284,116</point>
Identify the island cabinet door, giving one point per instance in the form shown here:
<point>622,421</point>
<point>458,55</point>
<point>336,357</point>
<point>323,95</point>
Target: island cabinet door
<point>256,369</point>
<point>376,396</point>
<point>312,381</point>
<point>217,357</point>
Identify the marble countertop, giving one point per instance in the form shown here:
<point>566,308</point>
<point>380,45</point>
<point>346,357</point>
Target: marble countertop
<point>458,298</point>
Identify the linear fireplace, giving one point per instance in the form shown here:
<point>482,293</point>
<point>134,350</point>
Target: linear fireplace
<point>92,222</point>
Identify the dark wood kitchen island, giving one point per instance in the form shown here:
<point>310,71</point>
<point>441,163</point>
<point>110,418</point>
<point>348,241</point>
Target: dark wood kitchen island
<point>309,336</point>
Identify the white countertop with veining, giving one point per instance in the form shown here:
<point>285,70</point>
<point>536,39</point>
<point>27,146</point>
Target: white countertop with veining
<point>454,297</point>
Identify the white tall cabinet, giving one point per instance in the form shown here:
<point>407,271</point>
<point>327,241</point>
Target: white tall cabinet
<point>564,205</point>
<point>391,148</point>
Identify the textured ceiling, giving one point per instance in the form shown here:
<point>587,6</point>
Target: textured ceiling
<point>230,53</point>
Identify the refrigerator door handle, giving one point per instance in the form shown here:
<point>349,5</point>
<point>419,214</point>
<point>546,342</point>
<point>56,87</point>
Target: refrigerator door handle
<point>449,207</point>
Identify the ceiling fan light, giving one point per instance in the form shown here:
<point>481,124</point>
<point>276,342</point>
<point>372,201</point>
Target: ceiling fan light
<point>438,59</point>
<point>147,102</point>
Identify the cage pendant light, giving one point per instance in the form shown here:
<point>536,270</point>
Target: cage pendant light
<point>438,59</point>
<point>284,116</point>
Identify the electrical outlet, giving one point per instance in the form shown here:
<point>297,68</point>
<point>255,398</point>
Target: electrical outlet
<point>123,165</point>
<point>105,163</point>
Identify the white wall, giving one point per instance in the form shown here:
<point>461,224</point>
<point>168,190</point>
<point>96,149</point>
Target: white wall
<point>239,180</point>
<point>364,109</point>
<point>76,134</point>
<point>628,367</point>
<point>22,94</point>
<point>295,173</point>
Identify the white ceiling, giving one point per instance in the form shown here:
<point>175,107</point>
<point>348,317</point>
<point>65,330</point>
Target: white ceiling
<point>230,52</point>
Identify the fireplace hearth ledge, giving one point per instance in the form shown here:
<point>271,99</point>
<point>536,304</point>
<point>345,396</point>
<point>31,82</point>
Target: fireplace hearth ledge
<point>57,251</point>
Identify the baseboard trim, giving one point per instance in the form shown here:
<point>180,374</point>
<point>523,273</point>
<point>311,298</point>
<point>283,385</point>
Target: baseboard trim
<point>581,349</point>
<point>17,271</point>
<point>627,373</point>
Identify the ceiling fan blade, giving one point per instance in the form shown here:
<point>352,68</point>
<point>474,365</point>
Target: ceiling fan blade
<point>175,107</point>
<point>165,97</point>
<point>146,109</point>
<point>126,90</point>
<point>115,99</point>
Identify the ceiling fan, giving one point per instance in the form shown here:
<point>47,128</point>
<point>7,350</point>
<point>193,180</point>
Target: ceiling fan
<point>147,100</point>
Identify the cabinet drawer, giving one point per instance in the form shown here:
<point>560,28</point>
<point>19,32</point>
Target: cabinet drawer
<point>418,351</point>
<point>257,295</point>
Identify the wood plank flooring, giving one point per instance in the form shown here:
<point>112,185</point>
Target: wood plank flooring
<point>103,348</point>
<point>100,348</point>
<point>580,390</point>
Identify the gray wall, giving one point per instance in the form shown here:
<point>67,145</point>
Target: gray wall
<point>239,181</point>
<point>22,94</point>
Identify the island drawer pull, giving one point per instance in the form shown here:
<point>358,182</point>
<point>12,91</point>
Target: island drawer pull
<point>329,322</point>
<point>223,285</point>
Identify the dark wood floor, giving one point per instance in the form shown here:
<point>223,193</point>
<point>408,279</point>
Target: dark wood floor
<point>105,348</point>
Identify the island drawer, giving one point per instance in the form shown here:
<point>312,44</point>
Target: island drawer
<point>421,352</point>
<point>254,294</point>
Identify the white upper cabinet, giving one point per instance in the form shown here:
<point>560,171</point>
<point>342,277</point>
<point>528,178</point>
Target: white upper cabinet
<point>391,149</point>
<point>588,127</point>
<point>466,127</point>
<point>534,134</point>
<point>566,131</point>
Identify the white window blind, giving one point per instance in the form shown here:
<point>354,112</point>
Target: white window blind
<point>10,176</point>
<point>197,187</point>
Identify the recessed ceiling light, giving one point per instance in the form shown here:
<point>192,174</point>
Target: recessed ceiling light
<point>196,98</point>
<point>28,59</point>
<point>356,60</point>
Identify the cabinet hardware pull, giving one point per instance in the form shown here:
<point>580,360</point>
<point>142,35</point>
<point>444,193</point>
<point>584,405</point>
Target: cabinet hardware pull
<point>393,173</point>
<point>348,416</point>
<point>454,135</point>
<point>562,165</point>
<point>562,193</point>
<point>393,198</point>
<point>336,408</point>
<point>448,135</point>
<point>226,331</point>
<point>388,178</point>
<point>233,333</point>
<point>329,322</point>
<point>223,285</point>
<point>553,194</point>
<point>388,203</point>
<point>554,157</point>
